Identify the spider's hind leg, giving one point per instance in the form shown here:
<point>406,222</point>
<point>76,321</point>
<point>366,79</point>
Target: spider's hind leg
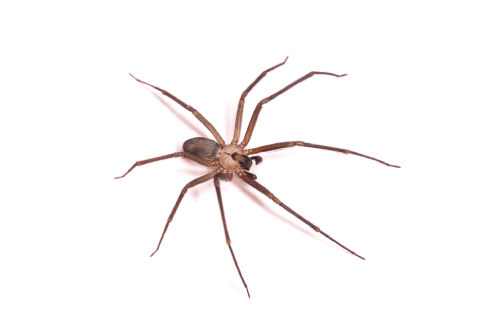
<point>192,183</point>
<point>195,112</point>
<point>151,160</point>
<point>190,156</point>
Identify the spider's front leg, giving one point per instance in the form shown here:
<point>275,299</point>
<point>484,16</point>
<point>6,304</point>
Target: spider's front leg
<point>271,196</point>
<point>289,144</point>
<point>256,112</point>
<point>239,113</point>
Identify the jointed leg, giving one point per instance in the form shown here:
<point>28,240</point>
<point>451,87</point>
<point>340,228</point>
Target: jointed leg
<point>228,240</point>
<point>288,144</point>
<point>195,182</point>
<point>183,154</point>
<point>198,115</point>
<point>139,163</point>
<point>264,190</point>
<point>239,114</point>
<point>256,112</point>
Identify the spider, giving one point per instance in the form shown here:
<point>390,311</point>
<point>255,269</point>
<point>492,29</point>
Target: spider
<point>233,158</point>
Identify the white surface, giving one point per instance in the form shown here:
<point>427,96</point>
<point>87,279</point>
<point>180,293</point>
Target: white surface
<point>421,92</point>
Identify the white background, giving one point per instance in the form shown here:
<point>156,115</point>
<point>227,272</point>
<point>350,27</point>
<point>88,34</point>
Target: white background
<point>421,92</point>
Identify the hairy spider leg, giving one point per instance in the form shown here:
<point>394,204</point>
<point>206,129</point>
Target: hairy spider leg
<point>181,154</point>
<point>256,112</point>
<point>151,160</point>
<point>288,144</point>
<point>198,115</point>
<point>192,183</point>
<point>228,240</point>
<point>239,114</point>
<point>265,191</point>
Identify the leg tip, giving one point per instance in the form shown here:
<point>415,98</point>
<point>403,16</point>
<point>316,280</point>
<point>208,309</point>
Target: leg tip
<point>357,255</point>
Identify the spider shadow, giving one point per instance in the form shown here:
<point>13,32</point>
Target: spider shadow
<point>193,172</point>
<point>177,114</point>
<point>231,115</point>
<point>236,288</point>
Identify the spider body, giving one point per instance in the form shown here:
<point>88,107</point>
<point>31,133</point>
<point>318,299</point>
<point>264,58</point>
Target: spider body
<point>230,158</point>
<point>233,158</point>
<point>202,147</point>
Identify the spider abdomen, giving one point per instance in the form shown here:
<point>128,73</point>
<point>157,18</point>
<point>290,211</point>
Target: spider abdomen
<point>202,148</point>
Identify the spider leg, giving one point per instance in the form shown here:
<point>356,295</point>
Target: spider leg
<point>192,183</point>
<point>198,115</point>
<point>228,240</point>
<point>183,154</point>
<point>289,144</point>
<point>256,112</point>
<point>239,114</point>
<point>151,160</point>
<point>264,190</point>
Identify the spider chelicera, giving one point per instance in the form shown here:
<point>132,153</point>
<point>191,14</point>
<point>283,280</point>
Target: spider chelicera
<point>233,158</point>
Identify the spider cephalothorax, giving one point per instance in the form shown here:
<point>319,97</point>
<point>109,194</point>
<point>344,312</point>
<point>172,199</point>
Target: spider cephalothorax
<point>233,158</point>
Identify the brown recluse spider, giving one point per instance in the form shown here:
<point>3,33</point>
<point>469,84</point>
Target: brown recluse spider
<point>234,158</point>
